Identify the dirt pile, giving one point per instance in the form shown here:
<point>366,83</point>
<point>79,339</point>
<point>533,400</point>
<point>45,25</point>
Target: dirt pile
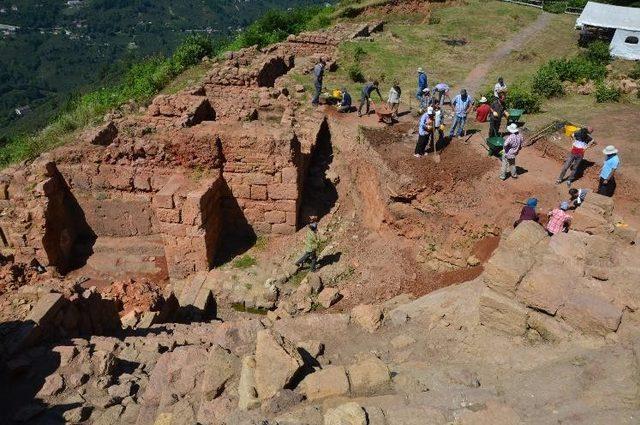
<point>134,295</point>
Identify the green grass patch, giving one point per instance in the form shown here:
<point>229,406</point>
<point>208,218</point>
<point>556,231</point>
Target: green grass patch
<point>240,307</point>
<point>244,262</point>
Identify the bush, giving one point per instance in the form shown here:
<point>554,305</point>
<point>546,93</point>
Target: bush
<point>546,82</point>
<point>355,74</point>
<point>191,52</point>
<point>555,6</point>
<point>359,53</point>
<point>606,93</point>
<point>521,97</point>
<point>598,52</point>
<point>578,68</point>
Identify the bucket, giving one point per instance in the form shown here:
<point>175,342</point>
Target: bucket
<point>569,129</point>
<point>336,93</point>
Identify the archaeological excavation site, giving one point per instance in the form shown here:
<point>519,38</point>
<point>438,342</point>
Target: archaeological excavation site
<point>148,276</point>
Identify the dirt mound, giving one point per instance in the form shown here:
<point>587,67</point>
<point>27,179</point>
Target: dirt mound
<point>458,163</point>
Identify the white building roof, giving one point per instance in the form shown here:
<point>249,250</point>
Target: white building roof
<point>609,16</point>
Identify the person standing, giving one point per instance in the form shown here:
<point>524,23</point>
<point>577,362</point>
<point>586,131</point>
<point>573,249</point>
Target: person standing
<point>607,184</point>
<point>559,220</point>
<point>511,149</point>
<point>366,96</point>
<point>425,132</point>
<point>318,76</point>
<point>461,106</point>
<point>500,88</point>
<point>442,89</point>
<point>394,99</point>
<point>498,110</point>
<point>426,100</point>
<point>581,142</point>
<point>311,245</point>
<point>483,111</point>
<point>422,84</point>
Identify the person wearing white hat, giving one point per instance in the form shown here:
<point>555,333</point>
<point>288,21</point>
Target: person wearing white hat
<point>422,83</point>
<point>607,184</point>
<point>511,149</point>
<point>426,99</point>
<point>425,132</point>
<point>483,110</point>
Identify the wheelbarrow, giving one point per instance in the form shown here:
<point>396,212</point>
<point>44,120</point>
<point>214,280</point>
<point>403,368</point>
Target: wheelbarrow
<point>514,116</point>
<point>384,113</point>
<point>494,145</point>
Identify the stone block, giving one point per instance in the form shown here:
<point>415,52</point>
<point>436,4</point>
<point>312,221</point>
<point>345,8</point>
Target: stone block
<point>328,382</point>
<point>285,191</point>
<point>142,181</point>
<point>283,229</point>
<point>549,328</point>
<point>368,316</point>
<point>526,236</point>
<point>505,269</point>
<point>546,287</point>
<point>346,414</point>
<point>277,362</point>
<point>590,219</point>
<point>258,193</point>
<point>502,313</point>
<point>166,215</point>
<point>46,308</point>
<point>289,175</point>
<point>369,376</point>
<point>275,217</point>
<point>591,314</point>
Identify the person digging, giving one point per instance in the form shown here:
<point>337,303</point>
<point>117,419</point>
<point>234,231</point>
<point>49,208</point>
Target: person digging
<point>311,245</point>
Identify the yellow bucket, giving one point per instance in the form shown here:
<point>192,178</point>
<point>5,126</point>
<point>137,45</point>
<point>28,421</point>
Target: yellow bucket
<point>337,93</point>
<point>569,129</point>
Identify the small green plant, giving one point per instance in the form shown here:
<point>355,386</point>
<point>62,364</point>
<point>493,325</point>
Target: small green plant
<point>635,72</point>
<point>606,93</point>
<point>355,74</point>
<point>434,20</point>
<point>261,243</point>
<point>359,53</point>
<point>546,82</point>
<point>244,262</point>
<point>598,52</point>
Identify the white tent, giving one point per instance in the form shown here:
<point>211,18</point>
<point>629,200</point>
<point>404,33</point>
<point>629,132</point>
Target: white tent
<point>626,22</point>
<point>609,16</point>
<point>625,44</point>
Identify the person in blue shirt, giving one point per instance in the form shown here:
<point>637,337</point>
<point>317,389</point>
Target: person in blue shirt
<point>607,184</point>
<point>366,96</point>
<point>345,103</point>
<point>422,84</point>
<point>318,76</point>
<point>461,106</point>
<point>425,132</point>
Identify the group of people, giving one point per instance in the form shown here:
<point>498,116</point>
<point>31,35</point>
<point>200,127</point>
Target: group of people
<point>558,219</point>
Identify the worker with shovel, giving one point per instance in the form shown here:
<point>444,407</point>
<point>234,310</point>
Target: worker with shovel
<point>425,132</point>
<point>311,245</point>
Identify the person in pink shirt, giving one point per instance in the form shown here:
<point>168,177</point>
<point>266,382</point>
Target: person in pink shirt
<point>559,220</point>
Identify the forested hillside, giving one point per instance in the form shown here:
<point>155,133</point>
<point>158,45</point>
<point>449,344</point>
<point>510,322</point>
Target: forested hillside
<point>63,47</point>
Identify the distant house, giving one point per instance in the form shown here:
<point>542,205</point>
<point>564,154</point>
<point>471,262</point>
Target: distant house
<point>624,22</point>
<point>21,111</point>
<point>74,3</point>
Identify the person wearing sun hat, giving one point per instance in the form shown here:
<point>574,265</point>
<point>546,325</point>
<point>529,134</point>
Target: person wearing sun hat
<point>559,220</point>
<point>607,184</point>
<point>511,149</point>
<point>528,212</point>
<point>483,110</point>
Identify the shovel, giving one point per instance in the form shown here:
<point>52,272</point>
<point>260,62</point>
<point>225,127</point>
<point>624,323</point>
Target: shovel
<point>436,155</point>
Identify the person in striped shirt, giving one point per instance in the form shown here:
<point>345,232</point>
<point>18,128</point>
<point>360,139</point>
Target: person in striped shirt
<point>559,220</point>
